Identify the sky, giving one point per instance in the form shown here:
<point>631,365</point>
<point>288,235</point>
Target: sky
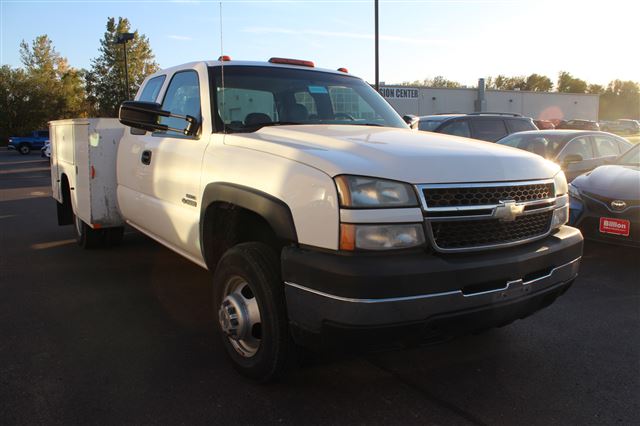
<point>461,40</point>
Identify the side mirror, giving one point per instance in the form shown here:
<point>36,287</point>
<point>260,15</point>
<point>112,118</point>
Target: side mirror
<point>146,116</point>
<point>571,158</point>
<point>411,120</point>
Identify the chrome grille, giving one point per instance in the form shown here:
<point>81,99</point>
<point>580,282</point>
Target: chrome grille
<point>487,195</point>
<point>479,233</point>
<point>481,216</point>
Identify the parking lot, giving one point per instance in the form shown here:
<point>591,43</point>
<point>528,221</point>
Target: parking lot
<point>125,336</point>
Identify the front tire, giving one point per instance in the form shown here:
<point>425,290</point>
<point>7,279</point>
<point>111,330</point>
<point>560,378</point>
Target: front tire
<point>251,314</point>
<point>24,149</point>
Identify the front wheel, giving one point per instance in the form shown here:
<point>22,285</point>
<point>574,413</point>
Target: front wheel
<point>24,149</point>
<point>249,298</point>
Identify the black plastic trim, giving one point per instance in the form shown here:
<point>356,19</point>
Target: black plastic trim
<point>273,210</point>
<point>384,275</point>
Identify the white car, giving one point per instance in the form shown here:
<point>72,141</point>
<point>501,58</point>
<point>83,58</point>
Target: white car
<point>45,151</point>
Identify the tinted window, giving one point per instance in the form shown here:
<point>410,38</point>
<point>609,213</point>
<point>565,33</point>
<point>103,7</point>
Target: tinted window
<point>456,128</point>
<point>152,88</point>
<point>429,125</point>
<point>520,125</point>
<point>182,98</point>
<point>43,133</point>
<point>606,146</point>
<point>579,146</point>
<point>489,129</point>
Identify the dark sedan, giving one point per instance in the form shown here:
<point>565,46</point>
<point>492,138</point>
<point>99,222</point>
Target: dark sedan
<point>605,203</point>
<point>576,151</point>
<point>579,125</point>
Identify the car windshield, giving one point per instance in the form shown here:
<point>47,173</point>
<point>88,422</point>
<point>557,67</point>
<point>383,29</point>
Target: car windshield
<point>631,157</point>
<point>547,146</point>
<point>254,97</point>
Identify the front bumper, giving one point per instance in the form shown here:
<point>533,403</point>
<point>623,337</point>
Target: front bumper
<point>585,214</point>
<point>326,291</point>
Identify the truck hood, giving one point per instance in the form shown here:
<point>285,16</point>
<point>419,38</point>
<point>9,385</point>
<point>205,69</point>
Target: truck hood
<point>398,154</point>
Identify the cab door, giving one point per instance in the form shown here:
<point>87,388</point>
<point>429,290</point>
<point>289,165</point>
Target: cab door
<point>170,164</point>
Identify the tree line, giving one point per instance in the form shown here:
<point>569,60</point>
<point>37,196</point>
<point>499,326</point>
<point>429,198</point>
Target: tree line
<point>46,88</point>
<point>619,99</point>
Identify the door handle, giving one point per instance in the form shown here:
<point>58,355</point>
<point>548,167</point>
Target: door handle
<point>146,157</point>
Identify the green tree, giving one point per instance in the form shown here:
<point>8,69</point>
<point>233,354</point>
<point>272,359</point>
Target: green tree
<point>595,89</point>
<point>538,83</point>
<point>621,99</point>
<point>502,82</point>
<point>45,89</point>
<point>570,84</point>
<point>105,79</point>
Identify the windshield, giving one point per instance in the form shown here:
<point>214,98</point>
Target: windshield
<point>254,97</point>
<point>631,157</point>
<point>547,146</point>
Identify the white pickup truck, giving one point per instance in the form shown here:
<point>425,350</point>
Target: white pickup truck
<point>322,216</point>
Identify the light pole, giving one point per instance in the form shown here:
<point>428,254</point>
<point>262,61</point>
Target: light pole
<point>122,39</point>
<point>376,40</point>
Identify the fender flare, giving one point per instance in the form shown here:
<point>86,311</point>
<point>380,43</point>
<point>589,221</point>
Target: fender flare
<point>275,211</point>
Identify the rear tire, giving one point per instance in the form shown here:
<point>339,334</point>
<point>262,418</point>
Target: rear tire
<point>248,296</point>
<point>87,237</point>
<point>113,236</point>
<point>24,149</point>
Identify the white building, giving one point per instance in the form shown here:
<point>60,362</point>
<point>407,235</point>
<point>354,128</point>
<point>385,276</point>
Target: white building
<point>537,105</point>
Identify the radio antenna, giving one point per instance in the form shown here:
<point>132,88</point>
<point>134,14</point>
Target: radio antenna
<point>224,126</point>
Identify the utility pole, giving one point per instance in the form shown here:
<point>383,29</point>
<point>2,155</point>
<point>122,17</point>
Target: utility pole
<point>122,39</point>
<point>377,46</point>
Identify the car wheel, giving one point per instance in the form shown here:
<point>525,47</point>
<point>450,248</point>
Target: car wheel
<point>249,299</point>
<point>87,237</point>
<point>24,149</point>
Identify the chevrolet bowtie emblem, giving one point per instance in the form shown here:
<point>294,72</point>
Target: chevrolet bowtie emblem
<point>508,211</point>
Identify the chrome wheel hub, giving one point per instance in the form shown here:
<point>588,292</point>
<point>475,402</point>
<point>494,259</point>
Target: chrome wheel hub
<point>239,317</point>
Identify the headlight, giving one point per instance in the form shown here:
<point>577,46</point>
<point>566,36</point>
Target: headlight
<point>380,237</point>
<point>574,192</point>
<point>560,183</point>
<point>561,213</point>
<point>359,191</point>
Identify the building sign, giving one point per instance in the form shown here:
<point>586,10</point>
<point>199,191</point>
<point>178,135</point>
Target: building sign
<point>399,93</point>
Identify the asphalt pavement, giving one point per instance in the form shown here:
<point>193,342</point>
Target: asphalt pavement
<point>126,336</point>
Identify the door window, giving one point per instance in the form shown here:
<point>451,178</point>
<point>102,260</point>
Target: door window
<point>182,98</point>
<point>520,125</point>
<point>606,146</point>
<point>578,146</point>
<point>489,129</point>
<point>456,128</point>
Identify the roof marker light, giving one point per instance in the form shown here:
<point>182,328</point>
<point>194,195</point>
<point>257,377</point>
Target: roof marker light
<point>343,70</point>
<point>224,58</point>
<point>287,61</point>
